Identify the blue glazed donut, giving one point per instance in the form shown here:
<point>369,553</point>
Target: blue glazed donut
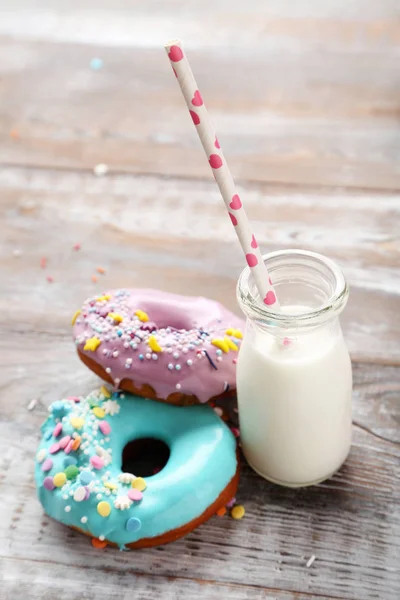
<point>79,475</point>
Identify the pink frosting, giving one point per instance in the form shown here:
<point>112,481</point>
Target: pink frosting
<point>183,328</point>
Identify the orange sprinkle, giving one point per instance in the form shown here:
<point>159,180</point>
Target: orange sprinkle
<point>221,511</point>
<point>43,262</point>
<point>14,134</point>
<point>94,278</point>
<point>100,544</point>
<point>76,443</point>
<point>100,270</point>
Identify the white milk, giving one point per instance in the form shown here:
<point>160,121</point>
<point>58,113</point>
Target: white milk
<point>295,402</point>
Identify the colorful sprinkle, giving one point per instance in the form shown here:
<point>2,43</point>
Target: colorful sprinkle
<point>97,462</point>
<point>69,460</point>
<point>105,391</point>
<point>103,508</point>
<point>43,262</point>
<point>54,448</point>
<point>99,412</point>
<point>80,494</point>
<point>76,247</point>
<point>153,344</point>
<point>48,484</point>
<point>71,472</point>
<point>238,512</point>
<point>86,477</point>
<point>139,484</point>
<point>47,465</point>
<point>135,495</point>
<point>105,427</point>
<point>64,441</point>
<point>231,344</point>
<point>141,315</point>
<point>103,298</point>
<point>117,318</point>
<point>221,344</point>
<point>92,344</point>
<point>100,169</point>
<point>76,443</point>
<point>221,511</point>
<point>59,479</point>
<point>49,279</point>
<point>110,485</point>
<point>57,430</point>
<point>77,422</point>
<point>133,524</point>
<point>231,502</point>
<point>100,270</point>
<point>98,544</point>
<point>236,333</point>
<point>41,455</point>
<point>75,316</point>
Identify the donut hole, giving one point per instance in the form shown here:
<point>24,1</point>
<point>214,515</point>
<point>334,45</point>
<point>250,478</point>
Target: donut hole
<point>145,457</point>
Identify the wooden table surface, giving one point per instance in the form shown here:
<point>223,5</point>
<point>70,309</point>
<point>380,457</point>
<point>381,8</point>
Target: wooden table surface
<point>305,98</point>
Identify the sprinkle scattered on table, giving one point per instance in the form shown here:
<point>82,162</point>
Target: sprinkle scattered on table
<point>50,279</point>
<point>43,262</point>
<point>32,404</point>
<point>17,253</point>
<point>101,270</point>
<point>94,278</point>
<point>14,134</point>
<point>310,561</point>
<point>96,63</point>
<point>238,511</point>
<point>100,169</point>
<point>77,247</point>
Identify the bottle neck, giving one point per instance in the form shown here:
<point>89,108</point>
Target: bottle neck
<point>311,288</point>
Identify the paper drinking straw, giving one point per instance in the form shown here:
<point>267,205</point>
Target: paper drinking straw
<point>222,174</point>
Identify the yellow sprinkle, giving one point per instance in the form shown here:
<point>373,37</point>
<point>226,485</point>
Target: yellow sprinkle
<point>77,422</point>
<point>154,345</point>
<point>238,511</point>
<point>103,298</point>
<point>103,508</point>
<point>142,316</point>
<point>235,333</point>
<point>139,484</point>
<point>231,344</point>
<point>221,344</point>
<point>92,344</point>
<point>110,485</point>
<point>99,412</point>
<point>105,391</point>
<point>116,317</point>
<point>59,479</point>
<point>75,316</point>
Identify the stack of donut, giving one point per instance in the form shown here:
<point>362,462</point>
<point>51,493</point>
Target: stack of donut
<point>168,357</point>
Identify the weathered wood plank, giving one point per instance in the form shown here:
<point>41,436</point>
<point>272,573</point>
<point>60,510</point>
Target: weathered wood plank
<point>44,580</point>
<point>314,118</point>
<point>175,235</point>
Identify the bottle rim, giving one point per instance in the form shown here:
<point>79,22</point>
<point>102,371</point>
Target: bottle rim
<point>252,306</point>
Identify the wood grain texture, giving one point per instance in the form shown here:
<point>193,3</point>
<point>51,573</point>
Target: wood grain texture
<point>305,98</point>
<point>174,234</point>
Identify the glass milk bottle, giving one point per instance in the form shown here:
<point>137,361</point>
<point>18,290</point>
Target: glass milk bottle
<point>294,378</point>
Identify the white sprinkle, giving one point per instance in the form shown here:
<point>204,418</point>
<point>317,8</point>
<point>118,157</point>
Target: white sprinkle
<point>17,253</point>
<point>310,561</point>
<point>189,362</point>
<point>67,509</point>
<point>32,404</point>
<point>218,411</point>
<point>99,496</point>
<point>178,386</point>
<point>41,455</point>
<point>84,520</point>
<point>100,169</point>
<point>102,538</point>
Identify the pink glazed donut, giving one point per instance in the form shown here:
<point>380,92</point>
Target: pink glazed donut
<point>176,349</point>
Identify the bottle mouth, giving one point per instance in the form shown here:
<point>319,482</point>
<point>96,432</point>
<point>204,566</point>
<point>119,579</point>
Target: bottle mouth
<point>310,287</point>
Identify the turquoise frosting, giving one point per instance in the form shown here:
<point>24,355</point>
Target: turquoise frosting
<point>201,464</point>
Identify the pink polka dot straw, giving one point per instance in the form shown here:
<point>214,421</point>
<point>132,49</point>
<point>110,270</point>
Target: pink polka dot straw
<point>222,174</point>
